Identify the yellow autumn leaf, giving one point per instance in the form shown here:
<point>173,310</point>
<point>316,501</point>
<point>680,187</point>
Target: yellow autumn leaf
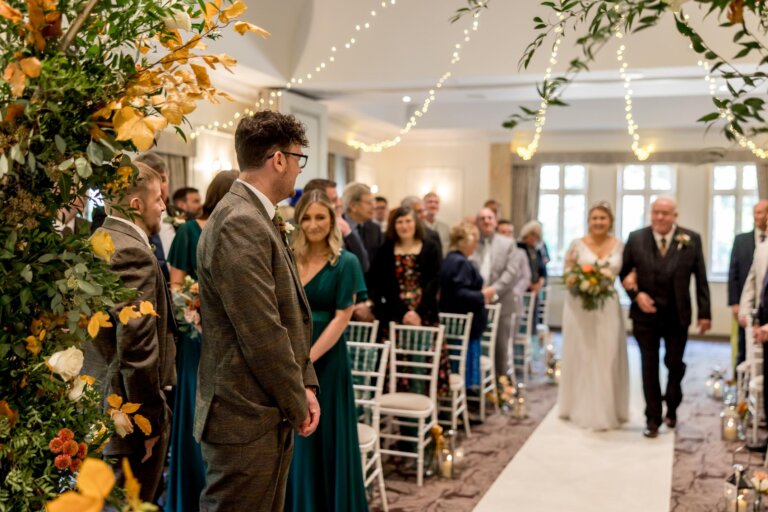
<point>71,501</point>
<point>201,74</point>
<point>102,245</point>
<point>97,321</point>
<point>134,126</point>
<point>127,314</point>
<point>143,423</point>
<point>95,478</point>
<point>33,345</point>
<point>174,107</point>
<point>9,13</point>
<point>233,11</point>
<point>227,61</point>
<point>147,308</point>
<point>241,27</point>
<point>132,486</point>
<point>130,407</point>
<point>115,401</point>
<point>210,10</point>
<point>14,75</point>
<point>31,67</point>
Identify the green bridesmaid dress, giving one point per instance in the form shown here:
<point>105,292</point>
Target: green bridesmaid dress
<point>326,470</point>
<point>186,473</point>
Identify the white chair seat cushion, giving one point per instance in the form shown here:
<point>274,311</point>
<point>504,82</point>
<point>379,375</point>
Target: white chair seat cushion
<point>412,402</point>
<point>366,437</point>
<point>455,382</point>
<point>485,363</point>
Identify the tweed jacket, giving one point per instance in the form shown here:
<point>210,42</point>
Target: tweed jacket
<point>135,361</point>
<point>254,362</point>
<point>687,260</point>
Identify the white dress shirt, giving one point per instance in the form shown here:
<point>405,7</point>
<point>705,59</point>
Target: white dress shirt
<point>140,231</point>
<point>669,238</point>
<point>485,263</point>
<point>759,236</point>
<point>167,233</point>
<point>264,199</point>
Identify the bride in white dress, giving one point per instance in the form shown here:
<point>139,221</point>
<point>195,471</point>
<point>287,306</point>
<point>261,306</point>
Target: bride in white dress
<point>594,384</point>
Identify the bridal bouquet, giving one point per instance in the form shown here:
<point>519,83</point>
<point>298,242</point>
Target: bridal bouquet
<point>593,284</point>
<point>186,304</point>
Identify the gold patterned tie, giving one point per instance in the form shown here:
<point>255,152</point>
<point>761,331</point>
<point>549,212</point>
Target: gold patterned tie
<point>663,248</point>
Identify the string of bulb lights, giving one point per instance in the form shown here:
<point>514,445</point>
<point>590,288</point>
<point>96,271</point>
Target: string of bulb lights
<point>527,152</point>
<point>376,147</point>
<point>270,101</point>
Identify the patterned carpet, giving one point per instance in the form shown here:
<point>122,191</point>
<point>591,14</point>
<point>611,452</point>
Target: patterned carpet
<point>702,460</point>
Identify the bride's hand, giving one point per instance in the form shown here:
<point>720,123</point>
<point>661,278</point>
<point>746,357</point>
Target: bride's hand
<point>630,282</point>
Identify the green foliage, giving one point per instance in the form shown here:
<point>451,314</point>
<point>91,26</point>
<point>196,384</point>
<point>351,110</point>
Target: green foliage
<point>600,19</point>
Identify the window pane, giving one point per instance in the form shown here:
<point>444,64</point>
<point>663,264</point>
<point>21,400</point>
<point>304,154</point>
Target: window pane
<point>749,178</point>
<point>661,177</point>
<point>575,177</point>
<point>725,177</point>
<point>632,214</point>
<point>549,216</point>
<point>549,177</point>
<point>633,177</point>
<point>574,212</point>
<point>747,217</point>
<point>723,224</point>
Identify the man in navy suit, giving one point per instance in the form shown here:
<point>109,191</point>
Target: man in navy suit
<point>664,257</point>
<point>741,259</point>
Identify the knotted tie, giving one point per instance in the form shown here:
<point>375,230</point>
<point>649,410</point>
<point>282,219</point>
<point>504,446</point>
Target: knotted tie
<point>762,237</point>
<point>663,246</point>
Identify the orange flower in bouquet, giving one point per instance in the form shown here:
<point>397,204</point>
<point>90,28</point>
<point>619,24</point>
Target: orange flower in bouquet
<point>593,284</point>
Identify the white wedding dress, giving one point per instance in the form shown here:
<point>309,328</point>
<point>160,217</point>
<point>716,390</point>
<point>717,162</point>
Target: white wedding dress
<point>594,380</point>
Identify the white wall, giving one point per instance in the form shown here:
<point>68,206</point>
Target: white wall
<point>456,170</point>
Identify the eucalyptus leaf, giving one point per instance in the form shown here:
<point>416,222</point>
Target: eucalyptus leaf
<point>60,144</point>
<point>83,168</point>
<point>26,273</point>
<point>4,168</point>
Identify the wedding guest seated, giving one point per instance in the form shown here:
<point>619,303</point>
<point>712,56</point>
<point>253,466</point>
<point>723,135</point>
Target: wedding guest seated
<point>461,291</point>
<point>404,279</point>
<point>326,472</point>
<point>186,474</point>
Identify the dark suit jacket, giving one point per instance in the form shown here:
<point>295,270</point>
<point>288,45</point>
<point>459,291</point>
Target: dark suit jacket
<point>254,362</point>
<point>460,291</point>
<point>434,236</point>
<point>354,244</point>
<point>687,260</point>
<point>385,290</point>
<point>741,259</point>
<point>369,233</point>
<point>539,265</point>
<point>135,361</point>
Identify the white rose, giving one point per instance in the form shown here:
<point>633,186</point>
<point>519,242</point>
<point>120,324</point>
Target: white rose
<point>123,425</point>
<point>584,286</point>
<point>675,4</point>
<point>67,363</point>
<point>77,388</point>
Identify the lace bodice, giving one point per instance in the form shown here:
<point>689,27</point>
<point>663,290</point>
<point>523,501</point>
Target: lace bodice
<point>581,254</point>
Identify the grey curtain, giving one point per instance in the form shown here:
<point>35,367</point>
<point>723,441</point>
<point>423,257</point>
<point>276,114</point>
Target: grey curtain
<point>332,166</point>
<point>525,193</point>
<point>177,171</point>
<point>762,179</point>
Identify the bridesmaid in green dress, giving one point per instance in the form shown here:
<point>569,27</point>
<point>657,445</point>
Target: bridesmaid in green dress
<point>326,471</point>
<point>186,474</point>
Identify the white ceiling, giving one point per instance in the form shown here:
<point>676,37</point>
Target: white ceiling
<point>409,46</point>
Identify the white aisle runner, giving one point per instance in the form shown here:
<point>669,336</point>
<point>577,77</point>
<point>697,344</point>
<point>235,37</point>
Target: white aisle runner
<point>564,468</point>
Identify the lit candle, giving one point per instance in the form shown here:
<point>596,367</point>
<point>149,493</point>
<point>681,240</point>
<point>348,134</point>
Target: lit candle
<point>730,432</point>
<point>741,504</point>
<point>717,389</point>
<point>447,468</point>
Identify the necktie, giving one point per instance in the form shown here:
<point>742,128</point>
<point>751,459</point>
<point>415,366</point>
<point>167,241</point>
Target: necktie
<point>663,246</point>
<point>762,237</point>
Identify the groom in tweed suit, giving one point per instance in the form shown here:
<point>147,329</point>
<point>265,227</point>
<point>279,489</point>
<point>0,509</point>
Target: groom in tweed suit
<point>256,383</point>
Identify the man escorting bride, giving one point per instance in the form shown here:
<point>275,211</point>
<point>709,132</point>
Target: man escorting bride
<point>656,268</point>
<point>594,386</point>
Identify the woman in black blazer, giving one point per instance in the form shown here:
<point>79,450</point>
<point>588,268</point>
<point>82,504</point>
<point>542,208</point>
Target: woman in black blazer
<point>405,278</point>
<point>461,291</point>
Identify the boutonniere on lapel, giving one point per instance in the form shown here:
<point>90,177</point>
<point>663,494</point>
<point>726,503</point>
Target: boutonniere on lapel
<point>682,240</point>
<point>285,228</point>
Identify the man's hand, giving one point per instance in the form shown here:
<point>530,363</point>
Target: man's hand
<point>309,425</point>
<point>363,313</point>
<point>704,326</point>
<point>761,334</point>
<point>735,310</point>
<point>149,445</point>
<point>343,225</point>
<point>488,294</point>
<point>646,303</point>
<point>412,318</point>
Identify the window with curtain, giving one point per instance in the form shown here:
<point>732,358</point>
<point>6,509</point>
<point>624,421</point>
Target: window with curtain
<point>639,186</point>
<point>562,209</point>
<point>734,194</point>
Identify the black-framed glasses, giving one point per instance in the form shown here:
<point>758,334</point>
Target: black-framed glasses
<point>302,158</point>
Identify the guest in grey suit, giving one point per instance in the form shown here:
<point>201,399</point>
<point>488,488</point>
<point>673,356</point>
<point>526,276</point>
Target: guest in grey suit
<point>495,257</point>
<point>741,260</point>
<point>137,360</point>
<point>256,383</point>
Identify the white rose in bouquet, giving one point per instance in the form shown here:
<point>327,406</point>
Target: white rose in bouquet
<point>67,363</point>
